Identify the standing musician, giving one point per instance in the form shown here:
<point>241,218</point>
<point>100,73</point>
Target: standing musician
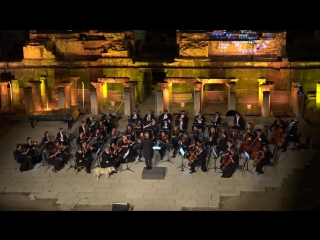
<point>108,160</point>
<point>20,156</point>
<point>263,159</point>
<point>277,122</point>
<point>134,117</point>
<point>292,135</point>
<point>140,137</point>
<point>91,123</point>
<point>216,120</point>
<point>164,137</point>
<point>213,137</point>
<point>165,125</point>
<point>200,160</point>
<point>83,128</point>
<point>127,145</point>
<point>231,164</point>
<point>238,122</point>
<point>182,125</point>
<point>199,121</point>
<point>184,117</point>
<point>54,160</point>
<point>184,143</point>
<point>148,117</point>
<point>146,147</point>
<point>260,137</point>
<point>165,116</point>
<point>81,160</point>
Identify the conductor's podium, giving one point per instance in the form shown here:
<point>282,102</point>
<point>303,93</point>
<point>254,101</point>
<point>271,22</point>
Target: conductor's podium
<point>154,173</point>
<point>66,115</point>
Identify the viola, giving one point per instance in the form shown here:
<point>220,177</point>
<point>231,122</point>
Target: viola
<point>165,138</point>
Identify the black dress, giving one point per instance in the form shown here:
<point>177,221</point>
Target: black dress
<point>231,168</point>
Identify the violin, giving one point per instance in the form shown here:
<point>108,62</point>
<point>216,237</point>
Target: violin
<point>116,149</point>
<point>165,138</point>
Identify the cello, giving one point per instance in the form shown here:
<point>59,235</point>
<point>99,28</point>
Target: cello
<point>284,135</point>
<point>260,157</point>
<point>276,134</point>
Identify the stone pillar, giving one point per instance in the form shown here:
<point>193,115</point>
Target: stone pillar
<point>43,90</point>
<point>318,95</point>
<point>5,104</point>
<point>197,97</point>
<point>97,85</point>
<point>264,88</point>
<point>165,95</point>
<point>170,93</point>
<point>266,104</point>
<point>94,101</point>
<point>15,92</point>
<point>127,99</point>
<point>130,85</point>
<point>261,81</point>
<point>28,99</point>
<point>298,107</point>
<point>36,95</point>
<point>231,96</point>
<point>133,97</point>
<point>159,102</point>
<point>74,90</point>
<point>294,89</point>
<point>67,92</point>
<point>61,97</point>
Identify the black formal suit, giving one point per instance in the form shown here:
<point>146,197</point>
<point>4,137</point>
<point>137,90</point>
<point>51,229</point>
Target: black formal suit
<point>292,136</point>
<point>276,122</point>
<point>163,117</point>
<point>185,143</point>
<point>26,163</point>
<point>213,137</point>
<point>241,124</point>
<point>201,161</point>
<point>231,168</point>
<point>89,121</point>
<point>109,160</point>
<point>182,125</point>
<point>216,122</point>
<point>223,146</point>
<point>145,119</point>
<point>82,161</point>
<point>147,151</point>
<point>134,117</point>
<point>185,119</point>
<point>79,141</point>
<point>166,126</point>
<point>82,129</point>
<point>263,141</point>
<point>199,119</point>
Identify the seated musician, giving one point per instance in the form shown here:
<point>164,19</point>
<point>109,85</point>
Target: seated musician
<point>107,121</point>
<point>277,122</point>
<point>47,141</point>
<point>108,160</point>
<point>31,146</point>
<point>199,121</point>
<point>260,136</point>
<point>134,117</point>
<point>249,128</point>
<point>91,123</point>
<point>102,128</point>
<point>176,136</point>
<point>81,139</point>
<point>114,135</point>
<point>165,125</point>
<point>263,159</point>
<point>164,138</point>
<point>130,133</point>
<point>291,137</point>
<point>138,127</point>
<point>200,160</point>
<point>81,160</point>
<point>184,117</point>
<point>20,155</point>
<point>148,117</point>
<point>230,163</point>
<point>154,129</point>
<point>89,151</point>
<point>126,145</point>
<point>83,128</point>
<point>61,152</point>
<point>222,143</point>
<point>213,137</point>
<point>238,122</point>
<point>184,143</point>
<point>97,140</point>
<point>165,116</point>
<point>62,137</point>
<point>53,159</point>
<point>182,125</point>
<point>216,120</point>
<point>197,136</point>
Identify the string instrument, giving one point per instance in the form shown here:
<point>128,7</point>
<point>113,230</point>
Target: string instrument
<point>195,134</point>
<point>276,134</point>
<point>165,138</point>
<point>182,140</point>
<point>177,132</point>
<point>226,163</point>
<point>260,157</point>
<point>192,156</point>
<point>255,147</point>
<point>285,134</point>
<point>116,149</point>
<point>247,141</point>
<point>225,156</point>
<point>127,141</point>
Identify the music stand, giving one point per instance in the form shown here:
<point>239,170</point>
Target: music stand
<point>167,151</point>
<point>215,160</point>
<point>247,162</point>
<point>125,156</point>
<point>182,166</point>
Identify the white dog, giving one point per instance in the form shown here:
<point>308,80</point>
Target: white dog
<point>100,171</point>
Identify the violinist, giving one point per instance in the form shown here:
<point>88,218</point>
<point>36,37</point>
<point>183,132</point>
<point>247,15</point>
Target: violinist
<point>222,143</point>
<point>102,128</point>
<point>83,128</point>
<point>165,125</point>
<point>232,163</point>
<point>115,150</point>
<point>21,157</point>
<point>182,125</point>
<point>165,140</point>
<point>213,136</point>
<point>148,117</point>
<point>47,141</point>
<point>140,137</point>
<point>30,146</point>
<point>97,139</point>
<point>238,122</point>
<point>109,160</point>
<point>81,159</point>
<point>199,121</point>
<point>292,135</point>
<point>216,120</point>
<point>184,117</point>
<point>81,139</point>
<point>114,135</point>
<point>91,123</point>
<point>263,159</point>
<point>165,116</point>
<point>61,152</point>
<point>184,143</point>
<point>62,137</point>
<point>130,133</point>
<point>134,117</point>
<point>126,145</point>
<point>200,160</point>
<point>53,159</point>
<point>277,122</point>
<point>261,137</point>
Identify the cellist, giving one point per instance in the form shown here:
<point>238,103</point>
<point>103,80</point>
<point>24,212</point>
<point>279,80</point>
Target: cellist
<point>277,122</point>
<point>263,159</point>
<point>292,135</point>
<point>232,164</point>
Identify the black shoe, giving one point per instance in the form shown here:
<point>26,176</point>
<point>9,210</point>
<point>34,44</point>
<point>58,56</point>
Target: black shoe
<point>284,150</point>
<point>173,156</point>
<point>192,172</point>
<point>149,168</point>
<point>161,158</point>
<point>261,172</point>
<point>146,168</point>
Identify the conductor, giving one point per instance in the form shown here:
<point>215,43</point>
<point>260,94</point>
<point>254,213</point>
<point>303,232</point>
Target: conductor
<point>147,150</point>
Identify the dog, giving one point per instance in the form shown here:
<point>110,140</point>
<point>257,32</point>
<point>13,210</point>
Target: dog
<point>106,171</point>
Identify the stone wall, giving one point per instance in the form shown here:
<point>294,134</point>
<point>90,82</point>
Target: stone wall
<point>215,96</point>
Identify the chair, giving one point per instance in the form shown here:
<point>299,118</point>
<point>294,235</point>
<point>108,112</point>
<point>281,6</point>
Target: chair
<point>273,161</point>
<point>44,161</point>
<point>17,164</point>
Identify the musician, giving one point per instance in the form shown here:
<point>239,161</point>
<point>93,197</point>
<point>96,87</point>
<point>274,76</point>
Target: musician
<point>238,122</point>
<point>165,116</point>
<point>140,137</point>
<point>102,128</point>
<point>54,160</point>
<point>114,135</point>
<point>197,136</point>
<point>83,128</point>
<point>126,145</point>
<point>165,125</point>
<point>154,129</point>
<point>199,121</point>
<point>81,159</point>
<point>249,128</point>
<point>138,127</point>
<point>260,137</point>
<point>216,120</point>
<point>232,167</point>
<point>146,147</point>
<point>213,136</point>
<point>47,141</point>
<point>184,117</point>
<point>97,139</point>
<point>134,117</point>
<point>265,154</point>
<point>62,137</point>
<point>88,151</point>
<point>130,133</point>
<point>115,150</point>
<point>200,160</point>
<point>107,121</point>
<point>91,123</point>
<point>108,160</point>
<point>148,117</point>
<point>182,125</point>
<point>21,157</point>
<point>291,137</point>
<point>61,152</point>
<point>81,139</point>
<point>222,143</point>
<point>277,122</point>
<point>164,137</point>
<point>31,146</point>
<point>184,143</point>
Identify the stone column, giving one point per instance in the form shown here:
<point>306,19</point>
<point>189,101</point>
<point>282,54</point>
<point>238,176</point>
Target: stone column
<point>264,88</point>
<point>61,97</point>
<point>36,95</point>
<point>298,106</point>
<point>130,86</point>
<point>294,89</point>
<point>133,97</point>
<point>197,97</point>
<point>67,92</point>
<point>165,95</point>
<point>94,101</point>
<point>15,92</point>
<point>231,96</point>
<point>97,85</point>
<point>159,102</point>
<point>28,99</point>
<point>43,90</point>
<point>127,99</point>
<point>266,104</point>
<point>318,95</point>
<point>261,81</point>
<point>74,91</point>
<point>170,93</point>
<point>5,104</point>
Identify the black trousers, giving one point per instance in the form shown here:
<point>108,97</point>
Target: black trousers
<point>85,163</point>
<point>198,163</point>
<point>56,163</point>
<point>260,165</point>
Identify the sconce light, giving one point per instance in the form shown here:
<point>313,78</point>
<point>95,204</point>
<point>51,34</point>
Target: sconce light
<point>249,106</point>
<point>182,104</point>
<point>113,104</point>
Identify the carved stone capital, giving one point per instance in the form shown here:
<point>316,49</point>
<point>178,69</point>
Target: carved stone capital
<point>197,86</point>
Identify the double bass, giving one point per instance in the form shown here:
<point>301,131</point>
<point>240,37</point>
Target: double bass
<point>284,135</point>
<point>276,134</point>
